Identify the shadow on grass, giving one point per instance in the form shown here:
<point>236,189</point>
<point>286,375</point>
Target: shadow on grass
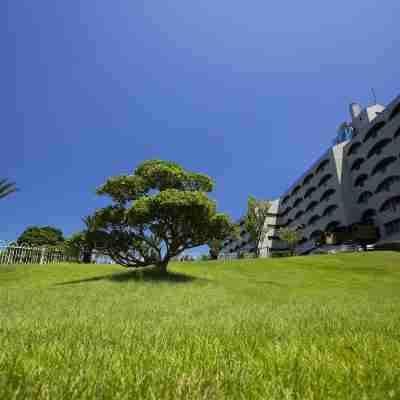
<point>141,275</point>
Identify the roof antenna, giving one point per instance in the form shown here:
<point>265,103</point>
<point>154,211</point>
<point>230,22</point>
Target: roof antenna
<point>373,95</point>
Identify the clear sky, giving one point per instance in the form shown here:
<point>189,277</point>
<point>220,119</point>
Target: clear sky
<point>250,92</point>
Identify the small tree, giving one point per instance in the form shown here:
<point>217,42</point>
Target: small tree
<point>6,188</point>
<point>215,248</point>
<point>157,212</point>
<point>81,244</point>
<point>291,236</point>
<point>37,236</point>
<point>257,212</point>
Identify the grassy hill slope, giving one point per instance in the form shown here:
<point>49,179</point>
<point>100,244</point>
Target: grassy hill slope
<point>317,327</point>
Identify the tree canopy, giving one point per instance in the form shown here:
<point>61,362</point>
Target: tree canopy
<point>291,235</point>
<point>156,213</point>
<point>36,236</point>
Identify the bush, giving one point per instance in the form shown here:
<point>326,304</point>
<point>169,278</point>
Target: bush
<point>277,254</point>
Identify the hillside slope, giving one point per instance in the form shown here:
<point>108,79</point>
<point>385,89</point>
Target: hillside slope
<point>316,327</point>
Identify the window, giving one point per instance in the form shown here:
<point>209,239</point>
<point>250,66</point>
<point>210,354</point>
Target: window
<point>354,148</point>
<point>364,197</point>
<point>397,134</point>
<point>327,195</point>
<point>308,179</point>
<point>322,166</point>
<point>332,226</point>
<point>311,206</point>
<point>392,227</point>
<point>285,200</point>
<point>310,192</point>
<point>357,164</point>
<point>297,202</point>
<point>387,183</point>
<point>299,214</point>
<point>286,211</point>
<point>383,164</point>
<point>392,205</point>
<point>296,189</point>
<point>373,132</point>
<point>360,181</point>
<point>330,210</point>
<point>378,147</point>
<point>395,111</point>
<point>368,216</point>
<point>324,180</point>
<point>316,235</point>
<point>312,221</point>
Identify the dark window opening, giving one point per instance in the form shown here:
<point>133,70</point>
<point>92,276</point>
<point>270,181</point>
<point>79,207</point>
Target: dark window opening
<point>383,164</point>
<point>360,181</point>
<point>373,132</point>
<point>357,164</point>
<point>392,227</point>
<point>364,197</point>
<point>330,210</point>
<point>354,148</point>
<point>378,147</point>
<point>392,205</point>
<point>387,183</point>
<point>322,166</point>
<point>327,195</point>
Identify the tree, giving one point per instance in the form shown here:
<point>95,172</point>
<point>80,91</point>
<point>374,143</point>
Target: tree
<point>81,244</point>
<point>257,212</point>
<point>214,248</point>
<point>89,236</point>
<point>36,236</point>
<point>6,188</point>
<point>291,236</point>
<point>157,212</point>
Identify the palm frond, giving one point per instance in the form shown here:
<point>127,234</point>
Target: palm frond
<point>6,188</point>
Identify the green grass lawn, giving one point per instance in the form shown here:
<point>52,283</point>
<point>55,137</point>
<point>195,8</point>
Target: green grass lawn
<point>317,327</point>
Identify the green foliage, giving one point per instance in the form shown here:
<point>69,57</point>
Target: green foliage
<point>290,235</point>
<point>81,244</point>
<point>278,254</point>
<point>158,212</point>
<point>307,328</point>
<point>6,188</point>
<point>257,212</point>
<point>214,248</point>
<point>36,236</point>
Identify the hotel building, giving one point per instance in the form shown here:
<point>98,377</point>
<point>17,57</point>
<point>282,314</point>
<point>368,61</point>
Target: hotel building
<point>355,180</point>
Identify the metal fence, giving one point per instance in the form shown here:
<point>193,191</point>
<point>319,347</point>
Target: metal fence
<point>11,253</point>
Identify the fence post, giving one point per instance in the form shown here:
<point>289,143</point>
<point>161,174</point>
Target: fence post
<point>42,251</point>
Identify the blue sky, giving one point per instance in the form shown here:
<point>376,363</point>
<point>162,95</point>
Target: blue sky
<point>248,92</point>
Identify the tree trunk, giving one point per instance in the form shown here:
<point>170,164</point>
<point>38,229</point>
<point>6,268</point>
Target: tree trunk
<point>162,267</point>
<point>87,256</point>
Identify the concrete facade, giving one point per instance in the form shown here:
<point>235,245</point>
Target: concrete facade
<point>356,180</point>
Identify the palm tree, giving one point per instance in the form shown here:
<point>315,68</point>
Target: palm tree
<point>6,188</point>
<point>89,221</point>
